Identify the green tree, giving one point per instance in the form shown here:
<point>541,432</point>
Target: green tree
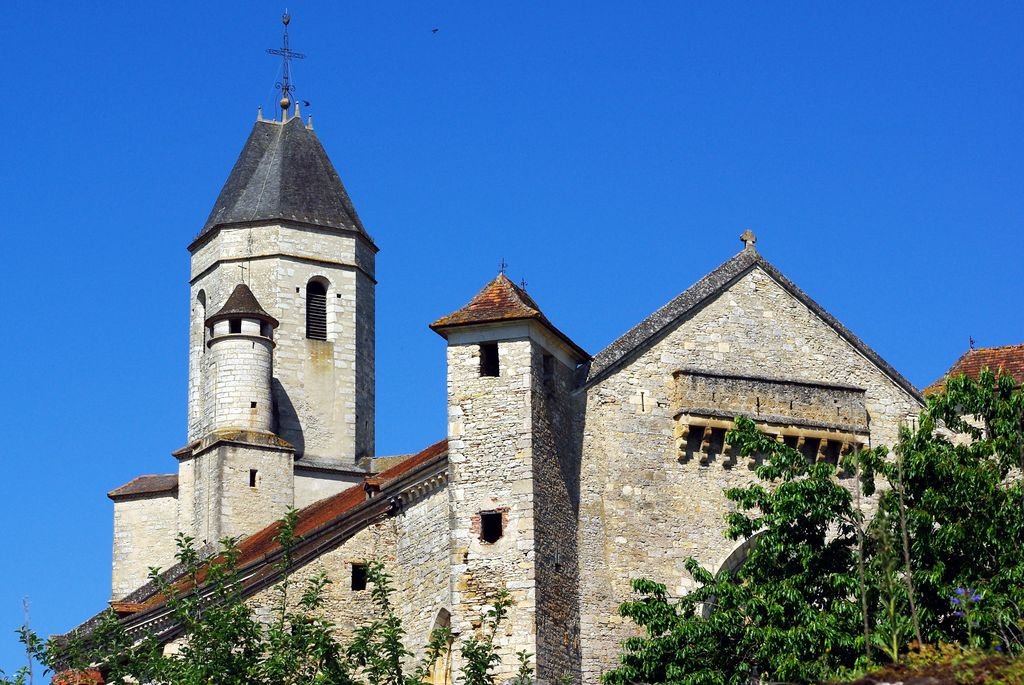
<point>791,612</point>
<point>963,504</point>
<point>225,643</point>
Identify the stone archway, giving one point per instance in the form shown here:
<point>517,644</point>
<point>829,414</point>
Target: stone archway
<point>441,671</point>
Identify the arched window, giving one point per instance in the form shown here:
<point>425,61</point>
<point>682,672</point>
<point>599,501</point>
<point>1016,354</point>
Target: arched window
<point>201,316</point>
<point>316,311</point>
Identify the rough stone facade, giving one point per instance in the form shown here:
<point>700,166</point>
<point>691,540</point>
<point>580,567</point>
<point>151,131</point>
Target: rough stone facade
<point>643,509</point>
<point>563,476</point>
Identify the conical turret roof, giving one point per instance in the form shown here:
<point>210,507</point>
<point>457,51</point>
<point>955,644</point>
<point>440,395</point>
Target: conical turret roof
<point>242,302</point>
<point>284,173</point>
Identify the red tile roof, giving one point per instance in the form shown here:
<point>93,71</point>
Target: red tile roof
<point>1007,359</point>
<point>262,543</point>
<point>500,300</point>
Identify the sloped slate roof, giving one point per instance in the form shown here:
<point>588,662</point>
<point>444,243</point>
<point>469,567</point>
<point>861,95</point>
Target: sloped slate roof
<point>283,172</point>
<point>500,300</point>
<point>705,290</point>
<point>146,485</point>
<point>1007,359</point>
<point>242,302</point>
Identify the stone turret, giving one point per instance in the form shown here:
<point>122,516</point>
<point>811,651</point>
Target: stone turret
<point>241,349</point>
<point>238,476</point>
<point>513,475</point>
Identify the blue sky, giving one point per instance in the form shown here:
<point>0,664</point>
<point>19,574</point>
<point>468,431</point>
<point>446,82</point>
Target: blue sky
<point>611,153</point>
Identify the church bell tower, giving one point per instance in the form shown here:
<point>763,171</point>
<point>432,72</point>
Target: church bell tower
<point>284,225</point>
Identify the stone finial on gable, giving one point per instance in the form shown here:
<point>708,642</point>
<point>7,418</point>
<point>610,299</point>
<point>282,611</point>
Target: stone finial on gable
<point>748,239</point>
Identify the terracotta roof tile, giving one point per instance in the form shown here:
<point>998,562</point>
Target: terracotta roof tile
<point>262,543</point>
<point>146,485</point>
<point>1007,359</point>
<point>501,300</point>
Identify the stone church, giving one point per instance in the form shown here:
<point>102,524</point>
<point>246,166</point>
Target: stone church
<point>563,475</point>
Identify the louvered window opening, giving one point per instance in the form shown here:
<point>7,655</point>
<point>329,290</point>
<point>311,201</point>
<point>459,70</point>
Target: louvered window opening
<point>316,312</point>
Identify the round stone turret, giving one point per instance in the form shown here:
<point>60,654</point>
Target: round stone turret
<point>241,348</point>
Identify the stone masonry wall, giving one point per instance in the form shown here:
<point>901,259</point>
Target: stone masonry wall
<point>323,390</point>
<point>237,393</point>
<point>222,501</point>
<point>642,510</point>
<point>491,470</point>
<point>556,498</point>
<point>144,530</point>
<point>414,547</point>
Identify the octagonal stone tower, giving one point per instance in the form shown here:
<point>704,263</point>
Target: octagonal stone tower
<point>284,221</point>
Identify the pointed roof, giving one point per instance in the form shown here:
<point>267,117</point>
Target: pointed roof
<point>283,172</point>
<point>1006,359</point>
<point>707,289</point>
<point>501,300</point>
<point>242,302</point>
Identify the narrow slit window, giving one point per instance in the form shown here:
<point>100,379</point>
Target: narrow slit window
<point>358,577</point>
<point>252,477</point>
<point>490,526</point>
<point>235,326</point>
<point>316,311</point>
<point>489,359</point>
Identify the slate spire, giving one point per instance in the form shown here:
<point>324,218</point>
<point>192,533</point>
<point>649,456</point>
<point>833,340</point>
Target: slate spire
<point>283,173</point>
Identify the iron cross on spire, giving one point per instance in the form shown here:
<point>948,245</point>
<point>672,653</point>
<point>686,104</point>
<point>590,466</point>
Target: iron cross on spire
<point>287,55</point>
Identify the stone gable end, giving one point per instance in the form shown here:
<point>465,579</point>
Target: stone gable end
<point>645,507</point>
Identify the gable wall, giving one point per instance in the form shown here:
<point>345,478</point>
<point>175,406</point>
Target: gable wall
<point>643,512</point>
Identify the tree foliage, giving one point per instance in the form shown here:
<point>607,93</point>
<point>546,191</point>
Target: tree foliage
<point>226,643</point>
<point>940,557</point>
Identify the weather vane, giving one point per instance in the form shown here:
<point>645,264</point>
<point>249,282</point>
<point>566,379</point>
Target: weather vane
<point>287,55</point>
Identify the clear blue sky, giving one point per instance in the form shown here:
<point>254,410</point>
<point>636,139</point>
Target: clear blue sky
<point>610,152</point>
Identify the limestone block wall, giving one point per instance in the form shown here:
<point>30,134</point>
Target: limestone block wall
<point>491,470</point>
<point>556,460</point>
<point>144,536</point>
<point>313,485</point>
<point>237,380</point>
<point>414,547</point>
<point>323,390</point>
<point>215,487</point>
<point>642,510</point>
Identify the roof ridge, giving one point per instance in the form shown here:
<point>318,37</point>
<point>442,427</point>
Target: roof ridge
<point>710,286</point>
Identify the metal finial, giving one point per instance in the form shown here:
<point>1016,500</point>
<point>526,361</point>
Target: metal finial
<point>523,283</point>
<point>970,339</point>
<point>287,55</point>
<point>503,266</point>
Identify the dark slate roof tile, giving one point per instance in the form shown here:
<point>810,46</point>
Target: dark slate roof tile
<point>146,485</point>
<point>284,173</point>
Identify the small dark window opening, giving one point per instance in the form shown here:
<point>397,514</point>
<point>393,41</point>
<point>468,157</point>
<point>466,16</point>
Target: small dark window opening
<point>490,526</point>
<point>358,576</point>
<point>548,369</point>
<point>489,359</point>
<point>234,326</point>
<point>252,405</point>
<point>265,330</point>
<point>316,311</point>
<point>252,478</point>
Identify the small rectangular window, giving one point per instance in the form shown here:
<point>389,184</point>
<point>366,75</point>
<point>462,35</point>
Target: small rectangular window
<point>252,478</point>
<point>358,577</point>
<point>490,526</point>
<point>234,326</point>
<point>489,359</point>
<point>548,369</point>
